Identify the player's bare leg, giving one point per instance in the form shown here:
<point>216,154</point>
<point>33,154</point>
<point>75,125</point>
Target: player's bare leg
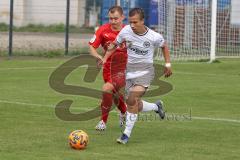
<point>134,97</point>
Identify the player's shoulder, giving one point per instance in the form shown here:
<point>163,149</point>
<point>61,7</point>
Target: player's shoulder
<point>155,34</point>
<point>125,31</point>
<point>126,28</point>
<point>104,27</point>
<point>107,25</point>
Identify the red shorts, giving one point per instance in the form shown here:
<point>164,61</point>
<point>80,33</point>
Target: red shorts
<point>114,70</point>
<point>117,79</point>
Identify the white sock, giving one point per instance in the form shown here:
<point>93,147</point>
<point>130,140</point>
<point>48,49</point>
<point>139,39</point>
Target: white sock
<point>131,118</point>
<point>149,106</point>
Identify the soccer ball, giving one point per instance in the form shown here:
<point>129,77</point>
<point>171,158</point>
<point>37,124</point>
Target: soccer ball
<point>78,139</point>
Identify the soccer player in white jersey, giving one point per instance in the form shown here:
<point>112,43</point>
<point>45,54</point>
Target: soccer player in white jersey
<point>141,42</point>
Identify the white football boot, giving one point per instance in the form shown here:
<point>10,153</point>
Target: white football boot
<point>101,126</point>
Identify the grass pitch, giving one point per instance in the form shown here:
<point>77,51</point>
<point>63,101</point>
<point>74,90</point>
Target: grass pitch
<point>203,116</point>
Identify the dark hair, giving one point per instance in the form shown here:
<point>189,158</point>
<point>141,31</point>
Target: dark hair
<point>138,11</point>
<point>114,9</point>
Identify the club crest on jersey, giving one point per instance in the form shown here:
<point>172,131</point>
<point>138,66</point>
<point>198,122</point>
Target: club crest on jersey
<point>146,44</point>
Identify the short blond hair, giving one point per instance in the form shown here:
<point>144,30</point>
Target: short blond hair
<point>114,9</point>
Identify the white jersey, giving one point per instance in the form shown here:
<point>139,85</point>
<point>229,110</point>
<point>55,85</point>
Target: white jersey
<point>140,48</point>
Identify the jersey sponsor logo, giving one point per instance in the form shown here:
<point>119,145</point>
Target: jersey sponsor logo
<point>146,44</point>
<point>93,39</point>
<point>139,52</point>
<point>109,36</point>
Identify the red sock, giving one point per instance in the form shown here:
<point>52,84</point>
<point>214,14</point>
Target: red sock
<point>120,104</point>
<point>106,105</point>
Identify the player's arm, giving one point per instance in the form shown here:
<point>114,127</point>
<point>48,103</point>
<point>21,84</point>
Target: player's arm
<point>166,54</point>
<point>111,48</point>
<point>160,42</point>
<point>94,43</point>
<point>94,53</point>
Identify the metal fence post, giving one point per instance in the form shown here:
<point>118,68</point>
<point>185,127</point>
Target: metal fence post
<point>67,27</point>
<point>118,2</point>
<point>10,29</point>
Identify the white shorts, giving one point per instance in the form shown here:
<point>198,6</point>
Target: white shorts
<point>139,74</point>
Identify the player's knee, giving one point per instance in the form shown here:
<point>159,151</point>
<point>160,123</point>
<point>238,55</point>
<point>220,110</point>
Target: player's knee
<point>131,101</point>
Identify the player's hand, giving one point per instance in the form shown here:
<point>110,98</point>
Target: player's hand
<point>167,72</point>
<point>111,46</point>
<point>104,60</point>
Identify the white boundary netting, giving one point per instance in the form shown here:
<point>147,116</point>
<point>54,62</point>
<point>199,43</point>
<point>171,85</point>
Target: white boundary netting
<point>186,26</point>
<point>228,34</point>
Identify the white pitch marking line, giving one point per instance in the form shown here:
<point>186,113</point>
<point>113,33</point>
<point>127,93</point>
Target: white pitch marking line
<point>33,68</point>
<point>26,68</point>
<point>52,106</point>
<point>216,119</point>
<point>177,72</point>
<point>205,74</point>
<point>36,105</point>
<point>27,104</point>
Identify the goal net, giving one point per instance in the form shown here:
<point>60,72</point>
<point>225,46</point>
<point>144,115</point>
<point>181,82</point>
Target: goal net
<point>187,28</point>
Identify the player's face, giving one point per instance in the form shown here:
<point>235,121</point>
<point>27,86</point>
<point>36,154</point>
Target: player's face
<point>136,23</point>
<point>115,19</point>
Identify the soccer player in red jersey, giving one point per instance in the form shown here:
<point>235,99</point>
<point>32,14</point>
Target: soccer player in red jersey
<point>114,68</point>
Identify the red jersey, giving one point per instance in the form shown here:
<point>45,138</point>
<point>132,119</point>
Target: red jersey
<point>116,63</point>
